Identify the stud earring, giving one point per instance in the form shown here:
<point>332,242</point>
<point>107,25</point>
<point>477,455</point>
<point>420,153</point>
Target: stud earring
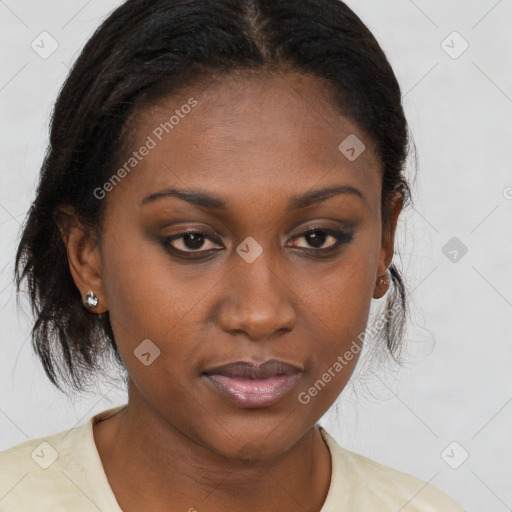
<point>383,280</point>
<point>91,300</point>
<point>382,284</point>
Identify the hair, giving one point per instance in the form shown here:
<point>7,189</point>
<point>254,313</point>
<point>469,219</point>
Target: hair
<point>148,49</point>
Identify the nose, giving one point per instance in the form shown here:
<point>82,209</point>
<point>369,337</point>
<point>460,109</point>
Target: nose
<point>258,300</point>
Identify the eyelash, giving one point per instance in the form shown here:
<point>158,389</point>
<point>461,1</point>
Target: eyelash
<point>341,238</point>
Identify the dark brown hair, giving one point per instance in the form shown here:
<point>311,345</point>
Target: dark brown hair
<point>150,48</point>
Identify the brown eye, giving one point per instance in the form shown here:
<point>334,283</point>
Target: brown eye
<point>317,238</point>
<point>190,241</point>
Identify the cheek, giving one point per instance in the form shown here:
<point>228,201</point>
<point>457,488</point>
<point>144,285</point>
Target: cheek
<point>142,287</point>
<point>338,310</point>
<point>150,298</point>
<point>343,293</point>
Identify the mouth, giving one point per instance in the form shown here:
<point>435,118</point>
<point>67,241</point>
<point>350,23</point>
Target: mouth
<point>251,385</point>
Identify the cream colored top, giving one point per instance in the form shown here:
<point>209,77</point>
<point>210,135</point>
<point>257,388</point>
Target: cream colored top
<point>63,472</point>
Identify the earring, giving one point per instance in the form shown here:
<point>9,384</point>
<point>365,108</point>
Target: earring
<point>383,280</point>
<point>382,285</point>
<point>91,300</point>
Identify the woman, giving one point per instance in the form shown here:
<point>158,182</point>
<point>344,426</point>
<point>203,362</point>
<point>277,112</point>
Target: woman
<point>217,209</point>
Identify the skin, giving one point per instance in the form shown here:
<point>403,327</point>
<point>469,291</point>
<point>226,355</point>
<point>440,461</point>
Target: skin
<point>256,144</point>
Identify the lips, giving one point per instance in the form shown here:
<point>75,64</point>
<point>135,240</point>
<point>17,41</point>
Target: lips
<point>251,385</point>
<point>248,370</point>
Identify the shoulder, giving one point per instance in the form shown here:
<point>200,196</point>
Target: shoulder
<point>60,472</point>
<point>371,484</point>
<point>34,472</point>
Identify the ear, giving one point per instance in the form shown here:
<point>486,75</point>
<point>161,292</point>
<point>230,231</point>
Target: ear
<point>387,246</point>
<point>83,255</point>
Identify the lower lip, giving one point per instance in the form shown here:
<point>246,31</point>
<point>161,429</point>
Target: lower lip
<point>252,393</point>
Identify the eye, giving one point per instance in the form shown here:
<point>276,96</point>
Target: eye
<point>190,242</point>
<point>198,244</point>
<point>323,239</point>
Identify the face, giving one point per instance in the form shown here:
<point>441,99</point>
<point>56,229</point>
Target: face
<point>216,248</point>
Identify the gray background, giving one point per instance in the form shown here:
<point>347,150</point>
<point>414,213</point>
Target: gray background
<point>456,385</point>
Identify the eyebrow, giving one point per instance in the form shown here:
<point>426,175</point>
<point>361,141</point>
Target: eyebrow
<point>206,200</point>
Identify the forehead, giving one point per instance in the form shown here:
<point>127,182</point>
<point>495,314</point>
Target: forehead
<point>277,130</point>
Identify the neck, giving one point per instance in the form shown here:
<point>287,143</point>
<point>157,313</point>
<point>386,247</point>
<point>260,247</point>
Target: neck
<point>140,450</point>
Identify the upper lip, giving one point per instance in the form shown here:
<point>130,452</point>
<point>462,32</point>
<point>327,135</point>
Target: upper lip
<point>250,370</point>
